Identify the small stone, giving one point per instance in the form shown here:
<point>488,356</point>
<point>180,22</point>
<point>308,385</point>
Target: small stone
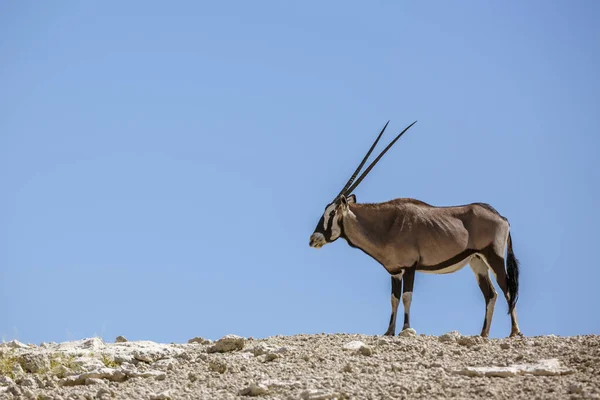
<point>226,344</point>
<point>255,389</point>
<point>120,339</point>
<point>347,368</point>
<point>166,395</point>
<point>103,394</point>
<point>199,340</point>
<point>217,366</point>
<point>409,332</point>
<point>449,337</point>
<point>469,341</point>
<point>35,363</point>
<point>166,363</point>
<point>93,381</point>
<point>505,346</point>
<point>6,381</point>
<point>353,345</point>
<point>365,350</point>
<point>575,388</point>
<point>28,382</point>
<point>17,370</point>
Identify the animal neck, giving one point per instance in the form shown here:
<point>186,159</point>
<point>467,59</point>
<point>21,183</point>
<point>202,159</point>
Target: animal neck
<point>362,232</point>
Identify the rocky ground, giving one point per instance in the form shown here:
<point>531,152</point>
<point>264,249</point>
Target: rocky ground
<point>339,366</point>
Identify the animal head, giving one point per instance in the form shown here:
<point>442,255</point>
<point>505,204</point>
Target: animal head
<point>329,227</point>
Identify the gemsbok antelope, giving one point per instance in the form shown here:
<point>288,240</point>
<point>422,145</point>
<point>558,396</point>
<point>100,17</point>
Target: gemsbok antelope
<point>407,235</point>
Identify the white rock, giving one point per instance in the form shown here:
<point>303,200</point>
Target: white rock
<point>353,345</point>
<point>104,373</point>
<point>166,363</point>
<point>255,389</point>
<point>227,343</point>
<point>88,363</point>
<point>261,348</point>
<point>359,347</point>
<point>94,343</point>
<point>548,367</point>
<point>15,344</point>
<point>158,375</point>
<point>410,332</point>
<point>449,337</point>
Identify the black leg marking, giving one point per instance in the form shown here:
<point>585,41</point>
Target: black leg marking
<point>396,290</point>
<point>408,281</point>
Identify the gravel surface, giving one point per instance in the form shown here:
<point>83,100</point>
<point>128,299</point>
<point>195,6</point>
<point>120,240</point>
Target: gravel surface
<point>337,366</point>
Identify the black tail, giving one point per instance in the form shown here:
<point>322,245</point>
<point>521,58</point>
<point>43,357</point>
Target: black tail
<point>512,270</point>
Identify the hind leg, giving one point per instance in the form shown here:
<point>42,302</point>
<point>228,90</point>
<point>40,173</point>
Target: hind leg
<point>496,264</point>
<point>481,271</point>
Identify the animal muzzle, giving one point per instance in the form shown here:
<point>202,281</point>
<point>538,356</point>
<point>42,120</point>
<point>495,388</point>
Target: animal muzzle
<point>317,240</point>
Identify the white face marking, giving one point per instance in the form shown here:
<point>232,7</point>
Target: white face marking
<point>328,211</point>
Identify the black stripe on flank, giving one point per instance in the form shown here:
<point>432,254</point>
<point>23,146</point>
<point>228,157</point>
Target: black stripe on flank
<point>445,264</point>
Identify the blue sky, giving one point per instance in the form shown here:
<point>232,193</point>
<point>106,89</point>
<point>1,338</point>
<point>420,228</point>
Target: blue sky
<point>163,165</point>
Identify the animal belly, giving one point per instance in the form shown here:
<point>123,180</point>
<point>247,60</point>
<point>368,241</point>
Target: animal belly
<point>446,267</point>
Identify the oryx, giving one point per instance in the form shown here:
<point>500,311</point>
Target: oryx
<point>407,235</point>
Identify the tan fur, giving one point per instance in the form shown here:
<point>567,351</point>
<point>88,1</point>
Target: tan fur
<point>406,232</point>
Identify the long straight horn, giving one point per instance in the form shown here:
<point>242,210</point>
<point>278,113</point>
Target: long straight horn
<point>362,162</point>
<point>370,167</point>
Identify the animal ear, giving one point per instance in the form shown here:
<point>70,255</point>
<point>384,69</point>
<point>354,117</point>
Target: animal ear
<point>351,199</point>
<point>343,200</point>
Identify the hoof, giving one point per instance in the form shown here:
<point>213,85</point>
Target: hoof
<point>388,333</point>
<point>516,334</point>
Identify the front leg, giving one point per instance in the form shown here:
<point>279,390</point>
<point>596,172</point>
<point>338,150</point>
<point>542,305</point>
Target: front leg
<point>396,290</point>
<point>407,288</point>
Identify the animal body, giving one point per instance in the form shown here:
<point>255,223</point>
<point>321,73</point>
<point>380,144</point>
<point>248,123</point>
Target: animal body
<point>407,235</point>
